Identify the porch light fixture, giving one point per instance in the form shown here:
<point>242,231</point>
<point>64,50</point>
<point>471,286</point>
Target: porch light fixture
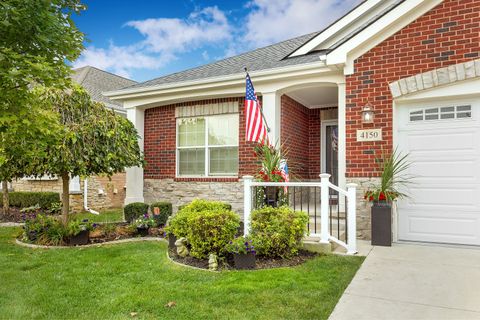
<point>367,113</point>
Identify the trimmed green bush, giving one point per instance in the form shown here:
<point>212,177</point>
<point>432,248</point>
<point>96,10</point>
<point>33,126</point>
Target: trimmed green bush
<point>165,212</point>
<point>24,199</point>
<point>179,224</point>
<point>134,210</point>
<point>210,231</point>
<point>278,232</point>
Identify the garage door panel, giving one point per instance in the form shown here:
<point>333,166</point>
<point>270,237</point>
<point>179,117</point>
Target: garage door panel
<point>437,226</point>
<point>445,191</point>
<point>444,170</point>
<point>442,198</point>
<point>435,142</point>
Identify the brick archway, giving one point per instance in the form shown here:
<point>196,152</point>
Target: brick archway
<point>434,78</point>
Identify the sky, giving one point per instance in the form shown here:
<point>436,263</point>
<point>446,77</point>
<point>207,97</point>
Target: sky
<point>145,39</point>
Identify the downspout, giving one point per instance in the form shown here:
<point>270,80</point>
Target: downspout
<point>85,197</point>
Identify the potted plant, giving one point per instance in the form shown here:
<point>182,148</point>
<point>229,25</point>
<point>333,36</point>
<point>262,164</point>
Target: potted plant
<point>271,159</point>
<point>243,251</point>
<point>78,232</point>
<point>144,223</point>
<point>393,178</point>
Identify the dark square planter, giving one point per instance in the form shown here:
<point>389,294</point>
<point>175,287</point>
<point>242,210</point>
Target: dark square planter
<point>171,241</point>
<point>382,224</point>
<point>142,231</point>
<point>244,261</point>
<point>80,239</point>
<point>271,196</point>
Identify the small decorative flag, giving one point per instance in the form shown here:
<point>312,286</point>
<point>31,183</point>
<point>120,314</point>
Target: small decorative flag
<point>256,129</point>
<point>284,173</point>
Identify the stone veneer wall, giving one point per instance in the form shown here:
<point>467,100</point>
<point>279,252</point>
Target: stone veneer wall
<point>110,198</point>
<point>363,207</point>
<point>180,192</point>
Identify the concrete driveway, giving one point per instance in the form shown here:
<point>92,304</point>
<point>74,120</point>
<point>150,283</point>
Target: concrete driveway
<point>414,282</point>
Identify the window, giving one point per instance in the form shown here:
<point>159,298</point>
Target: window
<point>207,146</point>
<point>458,112</point>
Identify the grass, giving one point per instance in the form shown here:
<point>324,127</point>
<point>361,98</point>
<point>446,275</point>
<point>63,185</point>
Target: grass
<point>111,215</point>
<point>110,282</point>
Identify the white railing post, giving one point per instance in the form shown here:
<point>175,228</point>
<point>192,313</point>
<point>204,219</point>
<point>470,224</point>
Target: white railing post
<point>324,202</point>
<point>247,203</point>
<point>352,218</point>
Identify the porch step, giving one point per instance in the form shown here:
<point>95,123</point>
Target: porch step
<point>317,247</point>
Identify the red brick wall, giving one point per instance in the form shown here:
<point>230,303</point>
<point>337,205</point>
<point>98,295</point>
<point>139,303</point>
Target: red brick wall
<point>447,35</point>
<point>160,142</point>
<point>300,134</point>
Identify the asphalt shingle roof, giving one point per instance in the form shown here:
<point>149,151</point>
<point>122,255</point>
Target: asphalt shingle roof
<point>96,81</point>
<point>269,57</point>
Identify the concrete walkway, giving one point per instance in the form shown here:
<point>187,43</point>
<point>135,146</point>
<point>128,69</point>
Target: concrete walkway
<point>410,281</point>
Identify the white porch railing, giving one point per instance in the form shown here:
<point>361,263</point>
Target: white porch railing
<point>325,187</point>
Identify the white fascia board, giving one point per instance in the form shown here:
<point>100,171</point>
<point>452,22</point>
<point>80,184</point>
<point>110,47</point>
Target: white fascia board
<point>224,81</point>
<point>335,28</point>
<point>380,30</point>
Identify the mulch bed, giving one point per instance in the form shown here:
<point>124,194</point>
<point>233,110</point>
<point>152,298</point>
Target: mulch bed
<point>261,262</point>
<point>14,216</point>
<point>121,232</point>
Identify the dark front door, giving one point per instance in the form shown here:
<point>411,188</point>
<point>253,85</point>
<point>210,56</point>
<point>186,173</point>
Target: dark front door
<point>331,152</point>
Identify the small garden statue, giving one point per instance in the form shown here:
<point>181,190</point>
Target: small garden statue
<point>182,249</point>
<point>212,262</point>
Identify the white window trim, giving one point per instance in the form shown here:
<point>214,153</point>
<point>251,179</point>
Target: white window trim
<point>439,113</point>
<point>206,147</point>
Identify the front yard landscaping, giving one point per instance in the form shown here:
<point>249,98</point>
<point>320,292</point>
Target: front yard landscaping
<point>137,280</point>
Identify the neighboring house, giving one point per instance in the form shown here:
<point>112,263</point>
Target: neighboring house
<point>415,63</point>
<point>101,192</point>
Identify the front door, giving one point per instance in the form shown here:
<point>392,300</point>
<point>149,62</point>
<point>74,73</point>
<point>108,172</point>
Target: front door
<point>330,149</point>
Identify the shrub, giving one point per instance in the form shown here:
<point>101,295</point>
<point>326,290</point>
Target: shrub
<point>210,231</point>
<point>20,199</point>
<point>277,232</point>
<point>165,212</point>
<point>134,210</point>
<point>179,224</point>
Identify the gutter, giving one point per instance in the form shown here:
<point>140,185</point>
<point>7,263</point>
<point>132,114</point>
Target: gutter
<point>238,77</point>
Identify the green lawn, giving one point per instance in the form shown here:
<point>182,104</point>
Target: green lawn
<point>110,282</point>
<point>111,215</point>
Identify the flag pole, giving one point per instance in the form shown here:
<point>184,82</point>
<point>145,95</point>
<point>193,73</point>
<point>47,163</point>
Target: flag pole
<point>261,109</point>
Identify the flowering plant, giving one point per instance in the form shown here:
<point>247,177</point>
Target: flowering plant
<point>270,159</point>
<point>241,245</point>
<point>74,227</point>
<point>393,168</point>
<point>145,221</point>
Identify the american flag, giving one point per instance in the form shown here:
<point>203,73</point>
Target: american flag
<point>256,128</point>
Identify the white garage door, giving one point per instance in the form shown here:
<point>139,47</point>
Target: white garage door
<point>443,140</point>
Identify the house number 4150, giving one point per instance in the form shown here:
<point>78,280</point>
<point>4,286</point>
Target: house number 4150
<point>369,135</point>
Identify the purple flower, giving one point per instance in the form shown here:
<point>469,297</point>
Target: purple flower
<point>85,220</point>
<point>94,225</point>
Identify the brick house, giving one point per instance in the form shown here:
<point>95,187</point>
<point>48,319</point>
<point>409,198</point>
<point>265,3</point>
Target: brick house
<point>414,63</point>
<point>101,192</point>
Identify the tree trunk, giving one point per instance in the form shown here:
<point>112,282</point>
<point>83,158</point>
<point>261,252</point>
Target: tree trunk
<point>6,202</point>
<point>65,196</point>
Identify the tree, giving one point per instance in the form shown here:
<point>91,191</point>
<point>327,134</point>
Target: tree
<point>93,140</point>
<point>36,39</point>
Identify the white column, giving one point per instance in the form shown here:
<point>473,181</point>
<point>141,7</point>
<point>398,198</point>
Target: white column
<point>134,192</point>
<point>272,112</point>
<point>247,203</point>
<point>342,133</point>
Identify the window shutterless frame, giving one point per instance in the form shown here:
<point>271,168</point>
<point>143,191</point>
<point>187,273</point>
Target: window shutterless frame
<point>207,147</point>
